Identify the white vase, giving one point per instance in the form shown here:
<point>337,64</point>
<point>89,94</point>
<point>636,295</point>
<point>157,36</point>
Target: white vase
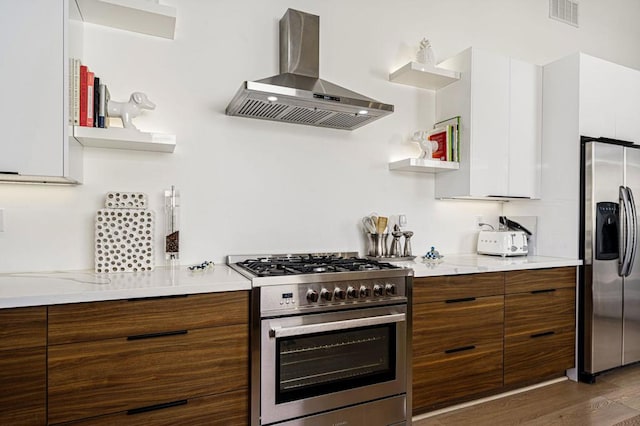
<point>426,56</point>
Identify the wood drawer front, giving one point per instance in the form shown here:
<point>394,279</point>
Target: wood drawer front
<point>23,387</point>
<point>108,376</point>
<point>530,313</point>
<point>440,378</point>
<point>23,327</point>
<point>435,289</point>
<point>442,326</point>
<point>528,359</point>
<point>540,279</point>
<point>231,408</point>
<point>120,318</point>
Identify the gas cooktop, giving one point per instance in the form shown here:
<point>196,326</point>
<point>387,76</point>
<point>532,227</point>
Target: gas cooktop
<point>311,266</point>
<point>298,264</point>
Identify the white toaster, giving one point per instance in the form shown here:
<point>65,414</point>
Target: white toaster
<point>502,243</point>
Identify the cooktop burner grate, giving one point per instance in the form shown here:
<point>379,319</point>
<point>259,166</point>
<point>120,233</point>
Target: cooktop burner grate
<point>310,264</point>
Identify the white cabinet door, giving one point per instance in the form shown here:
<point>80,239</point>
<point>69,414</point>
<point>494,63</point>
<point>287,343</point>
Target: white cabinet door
<point>31,83</point>
<point>609,100</point>
<point>499,101</point>
<point>525,129</point>
<point>597,98</point>
<point>489,124</point>
<point>627,106</point>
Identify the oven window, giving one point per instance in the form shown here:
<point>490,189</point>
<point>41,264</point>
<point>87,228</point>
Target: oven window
<point>321,363</point>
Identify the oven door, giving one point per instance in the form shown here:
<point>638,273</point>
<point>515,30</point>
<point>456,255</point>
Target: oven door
<point>319,362</point>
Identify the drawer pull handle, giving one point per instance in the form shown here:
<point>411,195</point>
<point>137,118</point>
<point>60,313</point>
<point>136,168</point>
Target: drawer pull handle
<point>173,296</point>
<point>546,333</point>
<point>154,335</point>
<point>548,290</point>
<point>463,348</point>
<point>465,299</point>
<point>156,407</point>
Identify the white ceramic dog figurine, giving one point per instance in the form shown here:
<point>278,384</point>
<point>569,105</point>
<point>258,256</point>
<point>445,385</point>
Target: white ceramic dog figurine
<point>129,110</point>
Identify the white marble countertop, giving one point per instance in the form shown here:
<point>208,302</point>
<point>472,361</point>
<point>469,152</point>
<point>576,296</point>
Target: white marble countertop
<point>51,288</point>
<point>477,263</point>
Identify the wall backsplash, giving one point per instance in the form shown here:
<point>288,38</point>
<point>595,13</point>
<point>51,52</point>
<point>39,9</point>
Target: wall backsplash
<point>253,186</point>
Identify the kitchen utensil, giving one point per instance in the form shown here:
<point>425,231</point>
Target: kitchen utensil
<point>369,224</point>
<point>382,224</point>
<point>512,225</point>
<point>407,243</point>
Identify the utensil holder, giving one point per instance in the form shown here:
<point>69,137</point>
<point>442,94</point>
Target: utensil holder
<point>371,244</point>
<point>378,244</point>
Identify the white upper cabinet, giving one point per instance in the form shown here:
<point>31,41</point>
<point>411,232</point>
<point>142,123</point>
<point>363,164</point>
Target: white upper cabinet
<point>35,143</point>
<point>609,100</point>
<point>499,100</point>
<point>525,129</point>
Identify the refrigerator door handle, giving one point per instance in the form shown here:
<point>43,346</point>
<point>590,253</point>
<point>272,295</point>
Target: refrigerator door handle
<point>625,232</point>
<point>634,231</point>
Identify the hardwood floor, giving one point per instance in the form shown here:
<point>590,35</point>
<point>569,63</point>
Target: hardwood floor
<point>613,400</point>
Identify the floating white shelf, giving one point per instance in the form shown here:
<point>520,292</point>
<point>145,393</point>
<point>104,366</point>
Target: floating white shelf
<point>120,138</point>
<point>423,165</point>
<point>141,16</point>
<point>425,76</point>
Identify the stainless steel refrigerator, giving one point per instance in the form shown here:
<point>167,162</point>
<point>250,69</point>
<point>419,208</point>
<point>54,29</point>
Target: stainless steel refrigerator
<point>609,296</point>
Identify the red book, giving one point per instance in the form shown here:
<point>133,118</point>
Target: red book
<point>83,95</point>
<point>440,137</point>
<point>90,77</point>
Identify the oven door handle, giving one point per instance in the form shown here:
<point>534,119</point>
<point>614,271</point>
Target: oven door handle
<point>335,325</point>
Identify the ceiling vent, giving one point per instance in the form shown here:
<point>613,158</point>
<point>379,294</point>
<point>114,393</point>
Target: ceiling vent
<point>564,11</point>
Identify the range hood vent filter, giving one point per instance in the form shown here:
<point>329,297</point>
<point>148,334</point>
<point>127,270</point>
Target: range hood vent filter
<point>258,109</point>
<point>297,95</point>
<point>304,115</point>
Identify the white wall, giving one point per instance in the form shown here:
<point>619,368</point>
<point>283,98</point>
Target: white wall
<point>264,187</point>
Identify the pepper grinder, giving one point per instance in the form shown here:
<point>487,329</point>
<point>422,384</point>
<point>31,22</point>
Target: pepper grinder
<point>407,243</point>
<point>395,244</point>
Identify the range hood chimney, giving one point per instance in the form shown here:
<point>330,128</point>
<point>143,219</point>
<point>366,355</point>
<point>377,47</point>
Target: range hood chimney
<point>297,94</point>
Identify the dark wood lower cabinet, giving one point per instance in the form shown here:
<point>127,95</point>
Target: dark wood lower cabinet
<point>481,334</point>
<point>536,357</point>
<point>448,377</point>
<point>230,408</point>
<point>23,366</point>
<point>177,360</point>
<point>23,386</point>
<point>107,376</point>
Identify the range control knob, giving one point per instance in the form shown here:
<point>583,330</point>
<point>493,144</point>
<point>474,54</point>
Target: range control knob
<point>365,291</point>
<point>378,290</point>
<point>390,289</point>
<point>312,295</point>
<point>339,294</point>
<point>326,295</point>
<point>351,293</point>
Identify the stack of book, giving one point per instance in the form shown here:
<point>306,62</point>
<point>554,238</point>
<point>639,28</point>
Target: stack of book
<point>446,134</point>
<point>88,97</point>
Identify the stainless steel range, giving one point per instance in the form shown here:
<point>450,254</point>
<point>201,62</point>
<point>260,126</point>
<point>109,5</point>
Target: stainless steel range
<point>330,340</point>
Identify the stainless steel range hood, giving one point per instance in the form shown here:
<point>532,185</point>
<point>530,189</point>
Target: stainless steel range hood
<point>297,95</point>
